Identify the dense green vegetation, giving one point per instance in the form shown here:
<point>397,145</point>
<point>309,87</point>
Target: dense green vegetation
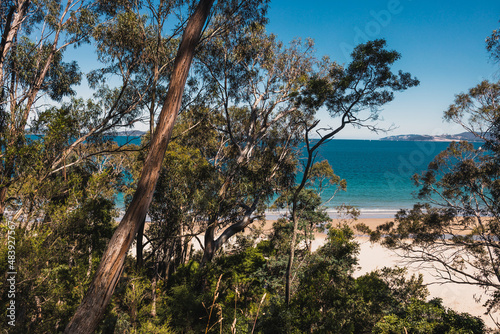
<point>242,291</point>
<point>247,112</point>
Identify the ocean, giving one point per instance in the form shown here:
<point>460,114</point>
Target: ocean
<point>378,173</point>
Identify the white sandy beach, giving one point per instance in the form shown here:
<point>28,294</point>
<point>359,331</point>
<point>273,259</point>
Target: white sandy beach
<point>373,256</point>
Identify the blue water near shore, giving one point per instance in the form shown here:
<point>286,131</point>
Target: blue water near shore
<point>378,173</point>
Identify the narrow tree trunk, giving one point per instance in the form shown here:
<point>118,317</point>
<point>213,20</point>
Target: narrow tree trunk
<point>15,17</point>
<point>139,249</point>
<point>292,255</point>
<point>3,199</point>
<point>89,313</point>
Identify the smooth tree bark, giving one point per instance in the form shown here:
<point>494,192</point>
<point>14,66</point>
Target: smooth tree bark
<point>15,16</point>
<point>98,296</point>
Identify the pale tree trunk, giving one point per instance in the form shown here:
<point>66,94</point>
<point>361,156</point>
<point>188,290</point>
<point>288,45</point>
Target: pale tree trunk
<point>15,17</point>
<point>98,296</point>
<point>212,244</point>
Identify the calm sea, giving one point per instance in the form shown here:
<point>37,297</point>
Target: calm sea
<point>378,173</point>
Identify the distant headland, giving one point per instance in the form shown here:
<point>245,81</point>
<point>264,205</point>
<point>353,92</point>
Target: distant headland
<point>466,136</point>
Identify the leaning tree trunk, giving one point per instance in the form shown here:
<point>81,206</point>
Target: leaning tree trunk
<point>98,296</point>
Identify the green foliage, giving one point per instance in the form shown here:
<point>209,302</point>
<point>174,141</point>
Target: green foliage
<point>457,227</point>
<point>367,83</point>
<point>323,297</point>
<point>322,175</point>
<point>26,60</point>
<point>307,204</point>
<point>429,317</point>
<point>329,299</point>
<point>234,280</point>
<point>56,264</point>
<point>310,212</point>
<point>234,148</point>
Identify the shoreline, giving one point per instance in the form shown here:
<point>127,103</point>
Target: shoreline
<point>387,214</point>
<point>372,223</point>
<point>373,256</point>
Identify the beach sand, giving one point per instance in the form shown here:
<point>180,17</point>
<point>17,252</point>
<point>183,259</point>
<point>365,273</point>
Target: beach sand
<point>372,256</point>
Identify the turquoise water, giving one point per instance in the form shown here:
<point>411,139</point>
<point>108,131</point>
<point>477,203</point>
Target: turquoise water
<point>378,173</point>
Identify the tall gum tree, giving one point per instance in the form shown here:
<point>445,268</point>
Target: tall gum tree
<point>354,95</point>
<point>455,231</point>
<point>90,311</point>
<point>101,289</point>
<point>251,81</point>
<point>35,37</point>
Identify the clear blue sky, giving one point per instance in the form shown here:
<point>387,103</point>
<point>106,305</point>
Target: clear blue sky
<point>442,43</point>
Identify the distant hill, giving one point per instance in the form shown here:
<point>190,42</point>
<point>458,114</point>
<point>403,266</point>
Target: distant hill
<point>135,133</point>
<point>467,136</point>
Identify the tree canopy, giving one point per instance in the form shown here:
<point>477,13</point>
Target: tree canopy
<point>454,231</point>
<point>230,111</point>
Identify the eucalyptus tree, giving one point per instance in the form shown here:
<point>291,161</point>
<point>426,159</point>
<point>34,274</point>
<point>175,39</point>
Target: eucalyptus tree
<point>24,72</point>
<point>251,81</point>
<point>353,95</point>
<point>34,76</point>
<point>138,47</point>
<point>311,208</point>
<point>455,231</point>
<point>101,289</point>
